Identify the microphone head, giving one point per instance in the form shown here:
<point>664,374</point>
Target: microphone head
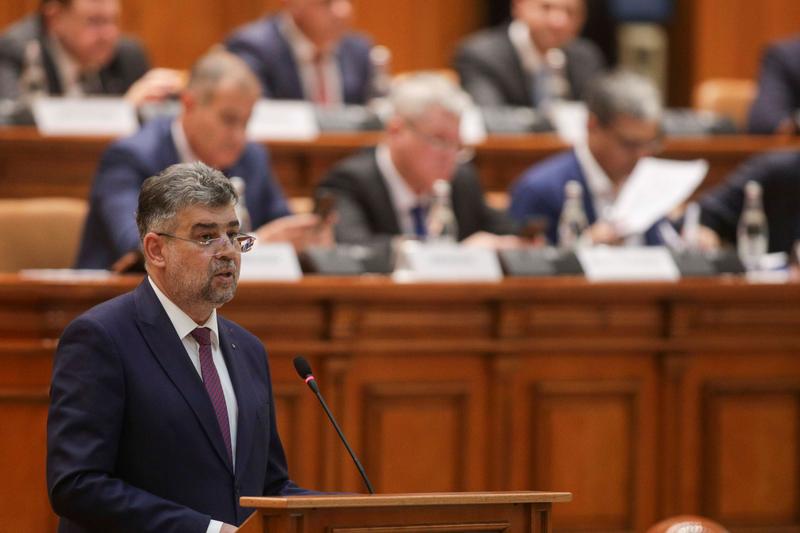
<point>302,367</point>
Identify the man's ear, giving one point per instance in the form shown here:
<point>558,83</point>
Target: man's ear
<point>153,250</point>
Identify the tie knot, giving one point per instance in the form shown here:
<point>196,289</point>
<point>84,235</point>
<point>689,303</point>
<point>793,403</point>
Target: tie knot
<point>202,336</point>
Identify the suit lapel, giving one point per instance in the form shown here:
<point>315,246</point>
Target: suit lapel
<point>379,199</point>
<point>232,352</point>
<point>167,348</point>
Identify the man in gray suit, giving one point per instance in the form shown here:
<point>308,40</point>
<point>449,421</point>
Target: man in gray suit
<point>536,58</point>
<point>77,49</point>
<point>384,192</point>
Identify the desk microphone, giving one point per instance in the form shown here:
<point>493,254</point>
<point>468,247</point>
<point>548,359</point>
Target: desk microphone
<point>304,371</point>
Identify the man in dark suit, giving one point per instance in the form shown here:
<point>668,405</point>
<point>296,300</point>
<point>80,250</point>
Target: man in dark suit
<point>383,192</point>
<point>211,128</point>
<point>535,59</point>
<point>161,412</point>
<point>778,98</point>
<point>623,126</point>
<point>778,173</point>
<point>76,47</point>
<point>307,53</point>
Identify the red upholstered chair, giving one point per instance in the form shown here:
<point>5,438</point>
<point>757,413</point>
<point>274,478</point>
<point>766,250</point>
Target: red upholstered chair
<point>687,524</point>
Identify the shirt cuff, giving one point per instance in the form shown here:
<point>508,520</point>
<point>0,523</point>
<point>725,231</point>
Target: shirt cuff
<point>214,526</point>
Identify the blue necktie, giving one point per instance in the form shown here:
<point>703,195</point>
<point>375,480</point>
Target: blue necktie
<point>418,216</point>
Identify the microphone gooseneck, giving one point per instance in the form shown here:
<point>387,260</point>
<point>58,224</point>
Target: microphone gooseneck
<point>304,371</point>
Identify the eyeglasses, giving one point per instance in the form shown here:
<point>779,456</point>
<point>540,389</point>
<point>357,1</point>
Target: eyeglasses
<point>648,146</point>
<point>241,243</point>
<point>463,153</point>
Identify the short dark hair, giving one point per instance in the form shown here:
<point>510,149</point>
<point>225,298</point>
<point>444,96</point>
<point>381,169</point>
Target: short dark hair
<point>177,187</point>
<point>623,92</point>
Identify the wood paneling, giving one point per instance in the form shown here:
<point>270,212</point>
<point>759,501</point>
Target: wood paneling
<point>644,400</point>
<point>34,166</point>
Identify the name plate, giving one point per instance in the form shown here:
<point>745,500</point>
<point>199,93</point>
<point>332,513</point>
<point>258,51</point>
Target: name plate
<point>84,116</point>
<point>271,262</point>
<point>643,263</point>
<point>446,262</point>
<point>283,120</point>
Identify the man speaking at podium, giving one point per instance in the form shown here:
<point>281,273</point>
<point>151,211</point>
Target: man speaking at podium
<point>161,412</point>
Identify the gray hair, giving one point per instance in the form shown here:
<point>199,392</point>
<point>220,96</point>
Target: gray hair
<point>177,187</point>
<point>624,93</point>
<point>413,95</point>
<point>217,66</point>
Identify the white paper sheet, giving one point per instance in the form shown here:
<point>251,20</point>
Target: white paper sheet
<point>654,188</point>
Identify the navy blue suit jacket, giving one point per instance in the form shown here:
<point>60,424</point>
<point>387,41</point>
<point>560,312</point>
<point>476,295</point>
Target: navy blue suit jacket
<point>779,176</point>
<point>539,193</point>
<point>778,87</point>
<point>262,46</point>
<point>110,230</point>
<point>133,443</point>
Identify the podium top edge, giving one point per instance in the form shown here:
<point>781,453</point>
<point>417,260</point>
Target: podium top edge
<point>401,500</point>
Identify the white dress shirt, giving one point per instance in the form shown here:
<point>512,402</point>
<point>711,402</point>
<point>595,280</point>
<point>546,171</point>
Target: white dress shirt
<point>529,55</point>
<point>403,198</point>
<point>184,326</point>
<point>305,52</point>
<point>185,153</point>
<point>602,190</point>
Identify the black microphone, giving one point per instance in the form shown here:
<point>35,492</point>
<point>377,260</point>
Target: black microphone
<point>304,371</point>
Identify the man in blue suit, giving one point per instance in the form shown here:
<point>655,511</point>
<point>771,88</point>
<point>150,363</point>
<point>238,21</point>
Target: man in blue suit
<point>778,96</point>
<point>307,53</point>
<point>211,128</point>
<point>161,412</point>
<point>623,126</point>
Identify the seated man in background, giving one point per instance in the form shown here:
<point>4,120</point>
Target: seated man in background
<point>384,192</point>
<point>538,57</point>
<point>778,98</point>
<point>624,125</point>
<point>778,173</point>
<point>75,48</point>
<point>307,53</point>
<point>211,128</point>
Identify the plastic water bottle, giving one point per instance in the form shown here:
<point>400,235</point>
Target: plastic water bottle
<point>752,235</point>
<point>572,222</point>
<point>441,224</point>
<point>245,226</point>
<point>380,59</point>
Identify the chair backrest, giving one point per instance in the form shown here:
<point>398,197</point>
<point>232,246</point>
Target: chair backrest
<point>40,232</point>
<point>687,524</point>
<point>731,97</point>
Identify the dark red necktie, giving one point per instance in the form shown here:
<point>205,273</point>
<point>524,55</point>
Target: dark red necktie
<point>213,385</point>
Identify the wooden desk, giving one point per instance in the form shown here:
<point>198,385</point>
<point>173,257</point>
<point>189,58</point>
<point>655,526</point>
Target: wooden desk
<point>643,400</point>
<point>31,165</point>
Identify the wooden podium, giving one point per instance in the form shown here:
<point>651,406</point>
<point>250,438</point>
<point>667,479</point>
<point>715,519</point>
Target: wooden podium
<point>461,512</point>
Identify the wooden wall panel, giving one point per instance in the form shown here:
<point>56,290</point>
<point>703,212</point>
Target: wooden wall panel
<point>721,411</point>
<point>23,411</point>
<point>751,454</point>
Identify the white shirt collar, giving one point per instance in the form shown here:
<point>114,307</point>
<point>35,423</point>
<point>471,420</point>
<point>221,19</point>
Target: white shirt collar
<point>520,36</point>
<point>600,185</point>
<point>185,153</point>
<point>302,47</point>
<point>183,323</point>
<point>403,198</point>
<point>67,67</point>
